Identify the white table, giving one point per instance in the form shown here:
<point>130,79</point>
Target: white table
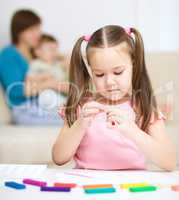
<point>82,177</point>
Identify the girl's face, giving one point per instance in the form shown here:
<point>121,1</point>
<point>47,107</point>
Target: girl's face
<point>111,71</point>
<point>31,36</point>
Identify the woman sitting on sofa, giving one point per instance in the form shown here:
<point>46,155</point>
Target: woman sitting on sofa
<point>22,90</point>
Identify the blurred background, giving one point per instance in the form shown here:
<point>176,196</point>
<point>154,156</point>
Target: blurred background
<point>157,20</point>
<point>66,20</point>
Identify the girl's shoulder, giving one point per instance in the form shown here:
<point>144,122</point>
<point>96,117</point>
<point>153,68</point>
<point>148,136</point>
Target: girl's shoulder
<point>155,116</point>
<point>159,116</point>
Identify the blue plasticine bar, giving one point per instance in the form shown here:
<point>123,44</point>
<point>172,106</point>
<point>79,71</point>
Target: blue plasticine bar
<point>15,185</point>
<point>55,189</point>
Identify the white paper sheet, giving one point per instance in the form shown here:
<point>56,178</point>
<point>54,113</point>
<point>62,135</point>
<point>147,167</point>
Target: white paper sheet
<point>21,171</point>
<point>82,177</point>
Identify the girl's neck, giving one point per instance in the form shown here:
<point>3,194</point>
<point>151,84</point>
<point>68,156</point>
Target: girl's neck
<point>24,50</point>
<point>103,100</point>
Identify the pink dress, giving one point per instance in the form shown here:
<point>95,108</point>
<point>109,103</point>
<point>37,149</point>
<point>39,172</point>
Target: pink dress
<point>108,149</point>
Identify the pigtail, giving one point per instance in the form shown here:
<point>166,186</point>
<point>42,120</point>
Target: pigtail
<point>143,96</point>
<point>79,82</point>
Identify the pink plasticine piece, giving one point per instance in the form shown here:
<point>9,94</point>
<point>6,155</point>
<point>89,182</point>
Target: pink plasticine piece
<point>34,182</point>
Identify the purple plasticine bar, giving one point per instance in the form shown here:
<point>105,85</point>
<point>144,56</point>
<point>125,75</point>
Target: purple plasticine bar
<point>34,182</point>
<point>55,189</point>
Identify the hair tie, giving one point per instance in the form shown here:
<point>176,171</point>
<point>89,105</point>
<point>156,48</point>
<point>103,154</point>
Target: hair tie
<point>87,38</point>
<point>128,31</point>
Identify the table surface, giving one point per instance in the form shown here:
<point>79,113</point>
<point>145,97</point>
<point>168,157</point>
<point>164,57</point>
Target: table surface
<point>83,177</point>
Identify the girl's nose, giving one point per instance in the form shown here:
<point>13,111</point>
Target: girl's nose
<point>109,80</point>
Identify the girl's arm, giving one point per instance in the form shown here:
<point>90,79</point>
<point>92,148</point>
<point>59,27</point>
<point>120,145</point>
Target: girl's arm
<point>156,145</point>
<point>68,142</point>
<point>70,137</point>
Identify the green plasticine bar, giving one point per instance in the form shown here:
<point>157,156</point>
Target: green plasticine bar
<point>143,189</point>
<point>100,190</point>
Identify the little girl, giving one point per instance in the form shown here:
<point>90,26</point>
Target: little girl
<point>112,120</point>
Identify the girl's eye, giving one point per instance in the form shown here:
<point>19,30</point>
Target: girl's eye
<point>118,73</point>
<point>99,75</point>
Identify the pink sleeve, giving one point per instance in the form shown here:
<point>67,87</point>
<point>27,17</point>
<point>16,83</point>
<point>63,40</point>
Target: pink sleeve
<point>160,117</point>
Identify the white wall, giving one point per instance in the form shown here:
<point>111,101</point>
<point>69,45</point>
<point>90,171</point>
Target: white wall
<point>68,19</point>
<point>158,21</point>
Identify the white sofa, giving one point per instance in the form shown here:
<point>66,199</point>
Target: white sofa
<point>32,144</point>
<point>24,144</point>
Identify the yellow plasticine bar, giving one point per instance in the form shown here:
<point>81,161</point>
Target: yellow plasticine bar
<point>128,185</point>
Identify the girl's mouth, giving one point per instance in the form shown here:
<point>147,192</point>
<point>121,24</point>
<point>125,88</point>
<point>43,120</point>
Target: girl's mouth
<point>114,90</point>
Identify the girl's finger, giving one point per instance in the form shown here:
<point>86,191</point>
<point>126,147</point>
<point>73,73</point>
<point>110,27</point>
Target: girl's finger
<point>90,112</point>
<point>123,116</point>
<point>113,109</point>
<point>92,105</point>
<point>91,109</point>
<point>116,112</point>
<point>109,125</point>
<point>113,114</point>
<point>114,120</point>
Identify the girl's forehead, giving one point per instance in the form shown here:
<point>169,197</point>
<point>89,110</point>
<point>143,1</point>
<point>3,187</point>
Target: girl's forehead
<point>110,57</point>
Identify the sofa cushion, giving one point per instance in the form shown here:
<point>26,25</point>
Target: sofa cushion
<point>27,144</point>
<point>33,145</point>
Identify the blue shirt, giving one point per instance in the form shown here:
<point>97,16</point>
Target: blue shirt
<point>13,71</point>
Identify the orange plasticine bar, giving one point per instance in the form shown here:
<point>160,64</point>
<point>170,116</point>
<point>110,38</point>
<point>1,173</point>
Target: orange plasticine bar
<point>70,185</point>
<point>98,186</point>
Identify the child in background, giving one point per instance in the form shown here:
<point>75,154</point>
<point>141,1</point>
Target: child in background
<point>116,125</point>
<point>47,62</point>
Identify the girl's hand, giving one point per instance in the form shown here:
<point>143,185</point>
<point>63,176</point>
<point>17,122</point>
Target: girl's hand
<point>121,120</point>
<point>88,112</point>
